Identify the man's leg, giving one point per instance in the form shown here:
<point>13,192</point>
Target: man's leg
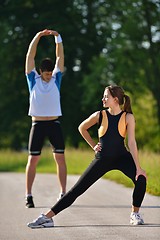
<point>61,170</point>
<point>30,176</point>
<point>31,172</point>
<point>35,144</point>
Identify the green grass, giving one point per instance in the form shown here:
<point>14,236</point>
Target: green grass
<point>78,160</point>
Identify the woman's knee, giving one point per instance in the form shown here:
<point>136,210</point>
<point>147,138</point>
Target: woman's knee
<point>141,178</point>
<point>141,181</point>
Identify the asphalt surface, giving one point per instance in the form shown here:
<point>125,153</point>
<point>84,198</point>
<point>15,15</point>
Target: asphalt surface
<point>101,213</point>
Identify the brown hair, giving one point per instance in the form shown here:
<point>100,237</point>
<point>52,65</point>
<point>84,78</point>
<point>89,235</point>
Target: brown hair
<point>123,99</point>
<point>46,65</point>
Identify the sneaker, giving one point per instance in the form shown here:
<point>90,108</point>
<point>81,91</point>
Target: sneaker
<point>136,219</point>
<point>29,202</point>
<point>41,222</point>
<point>60,196</point>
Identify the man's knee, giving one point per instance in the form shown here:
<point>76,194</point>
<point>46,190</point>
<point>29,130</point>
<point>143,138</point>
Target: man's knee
<point>33,159</point>
<point>60,159</point>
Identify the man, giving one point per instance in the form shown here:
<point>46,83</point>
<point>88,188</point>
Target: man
<point>44,110</point>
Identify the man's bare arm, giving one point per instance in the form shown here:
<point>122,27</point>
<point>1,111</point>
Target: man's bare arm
<point>30,57</point>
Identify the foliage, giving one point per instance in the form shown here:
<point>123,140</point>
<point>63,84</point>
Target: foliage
<point>105,42</point>
<point>144,108</point>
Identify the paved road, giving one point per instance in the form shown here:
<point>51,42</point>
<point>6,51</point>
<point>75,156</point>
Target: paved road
<point>102,213</point>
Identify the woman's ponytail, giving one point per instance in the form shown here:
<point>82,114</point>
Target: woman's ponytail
<point>127,104</point>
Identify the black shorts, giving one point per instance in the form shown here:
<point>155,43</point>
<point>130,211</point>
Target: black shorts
<point>42,129</point>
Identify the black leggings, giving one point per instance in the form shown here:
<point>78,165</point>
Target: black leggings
<point>98,167</point>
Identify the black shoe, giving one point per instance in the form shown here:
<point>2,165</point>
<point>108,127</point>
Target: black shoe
<point>29,202</point>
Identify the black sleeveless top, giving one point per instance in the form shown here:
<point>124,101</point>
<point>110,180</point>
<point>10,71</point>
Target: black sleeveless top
<point>112,132</point>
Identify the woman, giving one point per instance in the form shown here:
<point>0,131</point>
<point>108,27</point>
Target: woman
<point>114,123</point>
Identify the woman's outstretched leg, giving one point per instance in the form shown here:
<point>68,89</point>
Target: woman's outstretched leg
<point>95,171</point>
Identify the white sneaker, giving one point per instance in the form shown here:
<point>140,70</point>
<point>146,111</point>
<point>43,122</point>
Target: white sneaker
<point>41,222</point>
<point>136,219</point>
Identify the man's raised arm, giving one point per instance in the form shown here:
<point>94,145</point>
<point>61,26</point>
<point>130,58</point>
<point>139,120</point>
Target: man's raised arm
<point>59,53</point>
<point>30,57</point>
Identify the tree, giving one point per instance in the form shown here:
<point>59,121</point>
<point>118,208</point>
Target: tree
<point>105,42</point>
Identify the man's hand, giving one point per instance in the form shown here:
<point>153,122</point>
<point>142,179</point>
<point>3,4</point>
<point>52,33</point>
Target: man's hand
<point>47,32</point>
